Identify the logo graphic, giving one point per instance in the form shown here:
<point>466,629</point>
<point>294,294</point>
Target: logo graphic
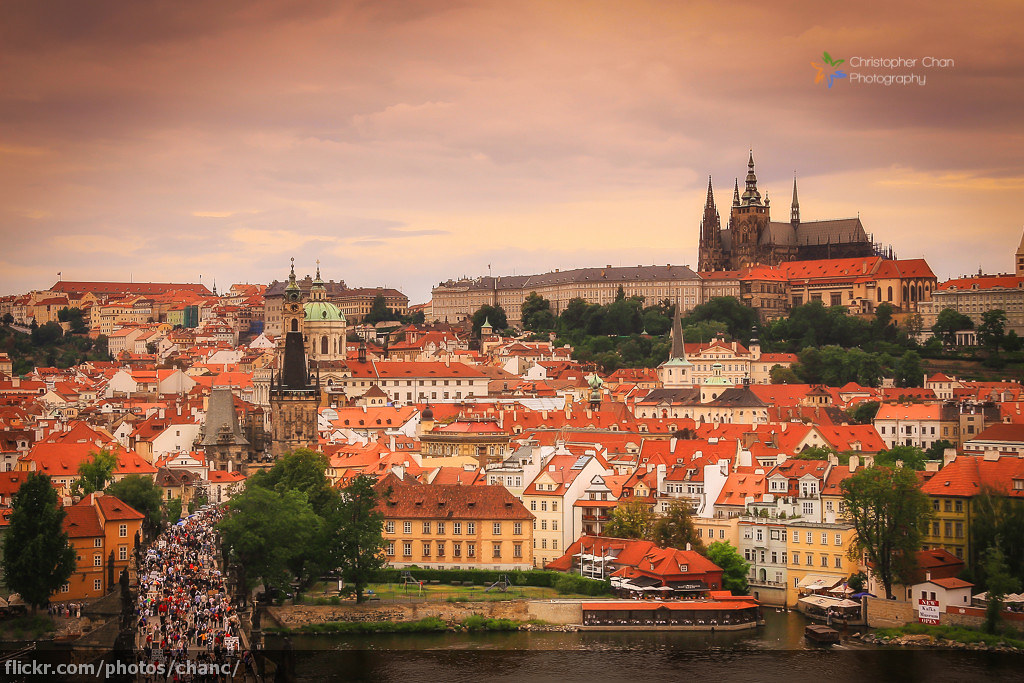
<point>829,70</point>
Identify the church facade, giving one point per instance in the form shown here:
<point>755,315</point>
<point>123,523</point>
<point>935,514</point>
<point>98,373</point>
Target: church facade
<point>751,238</point>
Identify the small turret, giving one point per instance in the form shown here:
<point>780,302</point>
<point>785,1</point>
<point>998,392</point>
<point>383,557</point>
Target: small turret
<point>794,214</point>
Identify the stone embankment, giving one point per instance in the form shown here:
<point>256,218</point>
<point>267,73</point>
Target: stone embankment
<point>927,641</point>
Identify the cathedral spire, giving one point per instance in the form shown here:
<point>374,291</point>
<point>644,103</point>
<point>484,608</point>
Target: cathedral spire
<point>750,193</point>
<point>678,348</point>
<point>292,284</point>
<point>710,203</point>
<point>736,193</point>
<point>794,216</point>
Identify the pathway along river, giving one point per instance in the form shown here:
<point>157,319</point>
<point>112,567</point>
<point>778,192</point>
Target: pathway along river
<point>776,651</point>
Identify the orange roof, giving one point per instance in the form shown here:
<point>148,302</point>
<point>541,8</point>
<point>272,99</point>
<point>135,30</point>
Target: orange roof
<point>983,282</point>
<point>968,476</point>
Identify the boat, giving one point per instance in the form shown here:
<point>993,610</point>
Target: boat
<point>821,635</point>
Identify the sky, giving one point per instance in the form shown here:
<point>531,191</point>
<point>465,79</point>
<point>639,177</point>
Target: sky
<point>404,143</point>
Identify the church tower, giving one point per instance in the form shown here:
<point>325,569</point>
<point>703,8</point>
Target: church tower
<point>710,254</point>
<point>675,373</point>
<point>1020,258</point>
<point>749,223</point>
<point>794,211</point>
<point>293,400</point>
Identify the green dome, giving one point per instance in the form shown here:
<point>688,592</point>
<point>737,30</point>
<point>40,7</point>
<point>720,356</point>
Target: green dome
<point>323,311</point>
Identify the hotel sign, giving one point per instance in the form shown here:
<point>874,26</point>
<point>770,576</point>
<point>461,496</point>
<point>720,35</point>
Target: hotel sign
<point>928,611</point>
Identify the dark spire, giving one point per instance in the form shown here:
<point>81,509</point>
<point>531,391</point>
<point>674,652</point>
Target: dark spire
<point>794,215</point>
<point>750,193</point>
<point>711,224</point>
<point>678,349</point>
<point>736,193</point>
<point>710,203</point>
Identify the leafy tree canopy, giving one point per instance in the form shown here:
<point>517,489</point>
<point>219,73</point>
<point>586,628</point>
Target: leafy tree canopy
<point>734,567</point>
<point>95,473</point>
<point>142,493</point>
<point>675,529</point>
<point>630,519</point>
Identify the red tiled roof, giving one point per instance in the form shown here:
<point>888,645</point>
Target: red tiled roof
<point>968,476</point>
<point>408,499</point>
<point>982,282</point>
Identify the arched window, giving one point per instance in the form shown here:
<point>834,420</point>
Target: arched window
<point>890,294</point>
<point>324,345</point>
<point>904,292</point>
<point>878,293</point>
<point>295,325</point>
<point>920,293</point>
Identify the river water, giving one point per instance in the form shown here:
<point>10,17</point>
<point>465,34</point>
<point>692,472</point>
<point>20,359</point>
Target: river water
<point>777,651</point>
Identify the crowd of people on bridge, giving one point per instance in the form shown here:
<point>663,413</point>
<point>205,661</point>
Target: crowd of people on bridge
<point>184,612</point>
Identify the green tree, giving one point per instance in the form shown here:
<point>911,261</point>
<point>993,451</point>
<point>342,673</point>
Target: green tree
<point>174,510</point>
<point>780,374</point>
<point>536,313</point>
<point>996,520</point>
<point>909,372</point>
<point>734,567</point>
<point>143,494</point>
<point>864,412</point>
<point>948,323</point>
<point>938,449</point>
<point>738,318</point>
<point>355,530</point>
<point>8,318</point>
<point>301,470</point>
<point>675,528</point>
<point>379,311</point>
<point>75,316</point>
<point>992,330</point>
<point>911,456</point>
<point>494,314</point>
<point>95,473</point>
<point>857,582</point>
<point>267,532</point>
<point>38,557</point>
<point>1012,342</point>
<point>887,509</point>
<point>623,316</point>
<point>630,519</point>
<point>48,334</point>
<point>815,453</point>
<point>1000,582</point>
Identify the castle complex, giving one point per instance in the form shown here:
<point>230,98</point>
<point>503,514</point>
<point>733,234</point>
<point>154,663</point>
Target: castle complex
<point>752,238</point>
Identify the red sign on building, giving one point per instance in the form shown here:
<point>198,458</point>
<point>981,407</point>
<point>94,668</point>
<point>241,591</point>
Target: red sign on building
<point>928,611</point>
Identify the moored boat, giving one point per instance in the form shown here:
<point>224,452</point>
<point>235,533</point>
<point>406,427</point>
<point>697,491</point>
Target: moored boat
<point>821,635</point>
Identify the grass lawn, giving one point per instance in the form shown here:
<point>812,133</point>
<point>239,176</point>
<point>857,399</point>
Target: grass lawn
<point>959,634</point>
<point>444,591</point>
<point>26,628</point>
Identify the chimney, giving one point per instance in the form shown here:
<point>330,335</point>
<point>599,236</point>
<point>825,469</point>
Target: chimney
<point>672,444</point>
<point>833,460</point>
<point>948,456</point>
<point>392,442</point>
<point>927,576</point>
<point>854,462</point>
<point>869,461</point>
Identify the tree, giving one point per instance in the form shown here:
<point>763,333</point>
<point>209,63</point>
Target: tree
<point>887,509</point>
<point>95,473</point>
<point>379,311</point>
<point>1012,342</point>
<point>675,529</point>
<point>48,334</point>
<point>948,323</point>
<point>857,582</point>
<point>630,519</point>
<point>734,567</point>
<point>864,412</point>
<point>996,520</point>
<point>938,449</point>
<point>174,510</point>
<point>780,374</point>
<point>911,456</point>
<point>141,493</point>
<point>8,318</point>
<point>815,453</point>
<point>1000,582</point>
<point>992,330</point>
<point>38,557</point>
<point>265,532</point>
<point>738,318</point>
<point>299,470</point>
<point>536,312</point>
<point>909,372</point>
<point>494,314</point>
<point>76,317</point>
<point>355,530</point>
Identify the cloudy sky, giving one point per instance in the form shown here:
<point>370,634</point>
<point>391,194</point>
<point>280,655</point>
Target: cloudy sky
<point>403,143</point>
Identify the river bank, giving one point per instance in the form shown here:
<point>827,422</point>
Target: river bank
<point>941,637</point>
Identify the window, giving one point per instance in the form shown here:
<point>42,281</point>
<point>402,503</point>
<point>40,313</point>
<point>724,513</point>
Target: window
<point>426,527</point>
<point>775,557</point>
<point>407,527</point>
<point>759,534</point>
<point>97,584</point>
<point>785,533</point>
<point>471,528</point>
<point>66,588</point>
<point>810,560</point>
<point>554,506</point>
<point>785,557</point>
<point>543,506</point>
<point>517,550</point>
<point>808,510</point>
<point>774,534</point>
<point>839,539</point>
<point>122,553</point>
<point>948,530</point>
<point>457,528</point>
<point>796,582</point>
<point>440,548</point>
<point>457,549</point>
<point>391,549</point>
<point>471,549</point>
<point>959,505</point>
<point>97,543</point>
<point>496,551</point>
<point>426,549</point>
<point>554,544</point>
<point>796,558</point>
<point>544,524</point>
<point>407,549</point>
<point>554,525</point>
<point>824,538</point>
<point>838,561</point>
<point>517,528</point>
<point>824,561</point>
<point>935,505</point>
<point>810,537</point>
<point>959,529</point>
<point>533,505</point>
<point>544,543</point>
<point>122,530</point>
<point>935,528</point>
<point>947,505</point>
<point>497,528</point>
<point>389,527</point>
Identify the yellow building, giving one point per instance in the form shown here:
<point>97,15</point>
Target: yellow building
<point>102,532</point>
<point>718,529</point>
<point>818,557</point>
<point>443,526</point>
